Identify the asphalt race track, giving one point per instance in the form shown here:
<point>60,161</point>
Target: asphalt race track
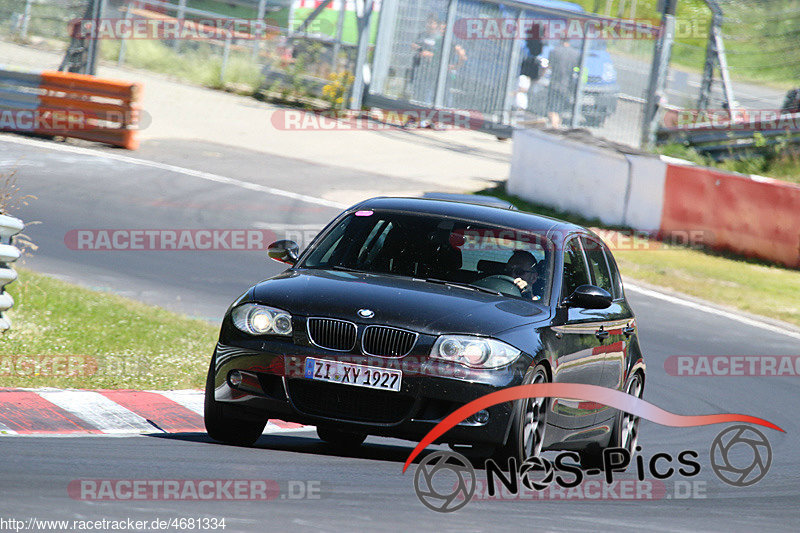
<point>365,490</point>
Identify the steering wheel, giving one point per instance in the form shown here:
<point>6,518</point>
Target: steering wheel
<point>500,283</point>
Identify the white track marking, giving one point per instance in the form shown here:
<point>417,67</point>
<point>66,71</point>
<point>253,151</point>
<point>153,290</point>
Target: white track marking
<point>193,400</point>
<point>99,411</point>
<point>190,399</point>
<point>713,311</point>
<point>5,430</point>
<point>272,429</point>
<point>172,168</point>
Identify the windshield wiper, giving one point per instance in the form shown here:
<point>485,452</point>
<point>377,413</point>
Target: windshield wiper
<point>344,269</point>
<point>467,286</point>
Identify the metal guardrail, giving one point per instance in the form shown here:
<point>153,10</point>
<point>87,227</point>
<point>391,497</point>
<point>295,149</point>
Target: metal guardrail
<point>9,227</point>
<point>735,140</point>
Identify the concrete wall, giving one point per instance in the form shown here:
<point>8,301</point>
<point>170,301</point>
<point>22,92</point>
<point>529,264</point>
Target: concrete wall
<point>749,215</point>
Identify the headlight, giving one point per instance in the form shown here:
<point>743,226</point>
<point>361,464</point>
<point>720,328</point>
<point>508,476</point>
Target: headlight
<point>262,320</point>
<point>476,352</point>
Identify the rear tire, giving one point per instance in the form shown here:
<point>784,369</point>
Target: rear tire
<point>530,420</point>
<point>624,434</point>
<point>225,428</point>
<point>340,439</point>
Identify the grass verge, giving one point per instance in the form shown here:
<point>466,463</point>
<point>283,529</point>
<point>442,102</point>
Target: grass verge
<point>778,162</point>
<point>66,336</point>
<point>749,285</point>
<point>759,36</point>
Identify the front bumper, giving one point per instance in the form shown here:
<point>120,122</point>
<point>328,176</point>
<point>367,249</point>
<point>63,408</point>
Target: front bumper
<point>275,387</point>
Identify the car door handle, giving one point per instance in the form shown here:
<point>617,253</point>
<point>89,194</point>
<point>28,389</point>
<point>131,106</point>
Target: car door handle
<point>601,334</point>
<point>628,331</point>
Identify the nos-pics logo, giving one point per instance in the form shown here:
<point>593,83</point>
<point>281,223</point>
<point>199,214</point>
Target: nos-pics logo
<point>445,481</point>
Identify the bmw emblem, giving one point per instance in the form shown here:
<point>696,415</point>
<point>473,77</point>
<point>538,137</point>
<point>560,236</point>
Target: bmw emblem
<point>366,313</point>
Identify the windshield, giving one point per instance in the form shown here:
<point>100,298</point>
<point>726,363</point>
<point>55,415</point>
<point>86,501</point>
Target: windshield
<point>473,256</point>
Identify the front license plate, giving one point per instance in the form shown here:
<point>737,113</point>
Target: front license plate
<point>351,374</point>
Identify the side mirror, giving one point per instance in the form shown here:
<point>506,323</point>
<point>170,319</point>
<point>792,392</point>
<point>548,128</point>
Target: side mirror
<point>589,297</point>
<point>284,252</point>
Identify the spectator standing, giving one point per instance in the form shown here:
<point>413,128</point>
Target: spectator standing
<point>564,63</point>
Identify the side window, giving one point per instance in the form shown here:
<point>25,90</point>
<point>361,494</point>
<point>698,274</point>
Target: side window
<point>575,273</point>
<point>598,264</point>
<point>616,278</point>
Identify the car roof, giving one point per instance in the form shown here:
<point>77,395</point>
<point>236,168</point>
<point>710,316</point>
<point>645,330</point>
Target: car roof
<point>486,214</point>
<point>476,199</point>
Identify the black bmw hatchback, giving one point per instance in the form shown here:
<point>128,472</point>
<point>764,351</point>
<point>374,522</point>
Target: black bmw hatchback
<point>402,310</point>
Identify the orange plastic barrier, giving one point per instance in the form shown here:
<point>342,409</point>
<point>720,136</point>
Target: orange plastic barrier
<point>109,107</point>
<point>71,105</point>
<point>756,217</point>
<point>90,85</point>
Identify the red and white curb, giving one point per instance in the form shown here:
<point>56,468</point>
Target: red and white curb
<point>108,412</point>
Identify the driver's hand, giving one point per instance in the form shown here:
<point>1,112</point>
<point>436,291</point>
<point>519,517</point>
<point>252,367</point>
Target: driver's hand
<point>521,283</point>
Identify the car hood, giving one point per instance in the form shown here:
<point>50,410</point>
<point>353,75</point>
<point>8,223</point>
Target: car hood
<point>402,302</point>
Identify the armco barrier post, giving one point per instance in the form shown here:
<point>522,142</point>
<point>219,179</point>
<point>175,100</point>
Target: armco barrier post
<point>26,20</point>
<point>9,226</point>
<point>577,103</point>
<point>226,53</point>
<point>125,16</point>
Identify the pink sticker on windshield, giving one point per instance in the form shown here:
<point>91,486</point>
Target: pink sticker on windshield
<point>364,213</point>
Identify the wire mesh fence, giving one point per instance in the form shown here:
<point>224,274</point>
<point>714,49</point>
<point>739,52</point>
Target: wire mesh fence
<point>760,43</point>
<point>212,42</point>
<point>448,54</point>
<point>39,20</point>
<point>515,63</point>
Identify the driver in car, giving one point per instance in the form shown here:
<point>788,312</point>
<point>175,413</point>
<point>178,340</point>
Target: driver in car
<point>522,267</point>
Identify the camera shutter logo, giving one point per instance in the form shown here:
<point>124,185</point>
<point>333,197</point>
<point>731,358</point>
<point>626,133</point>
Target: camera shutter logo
<point>452,498</point>
<point>534,464</point>
<point>728,469</point>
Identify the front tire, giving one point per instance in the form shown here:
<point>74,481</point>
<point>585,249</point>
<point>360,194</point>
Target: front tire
<point>225,428</point>
<point>530,420</point>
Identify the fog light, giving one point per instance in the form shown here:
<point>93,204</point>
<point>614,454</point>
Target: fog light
<point>478,419</point>
<point>481,417</point>
<point>235,378</point>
